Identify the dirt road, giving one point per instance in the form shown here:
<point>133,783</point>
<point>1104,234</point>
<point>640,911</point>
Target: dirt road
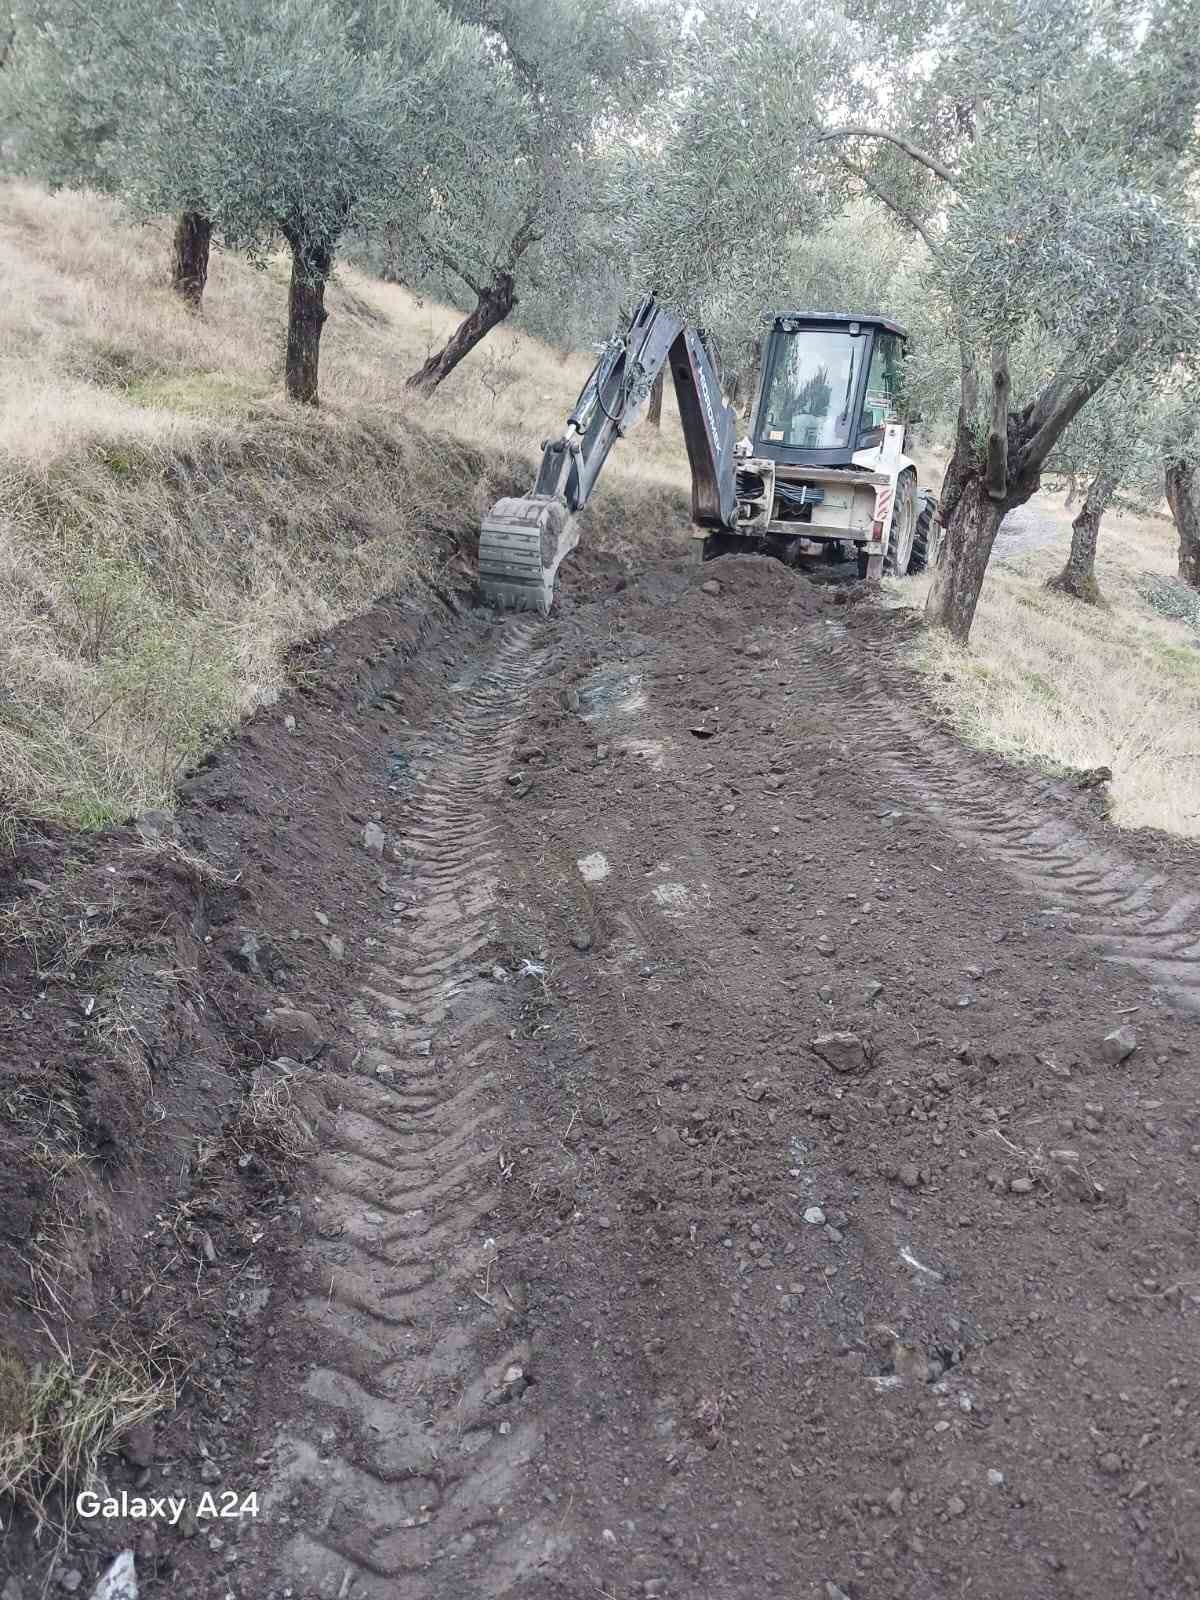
<point>726,1186</point>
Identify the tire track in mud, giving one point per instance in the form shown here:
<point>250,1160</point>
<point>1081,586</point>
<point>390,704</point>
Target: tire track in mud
<point>409,1435</point>
<point>1125,911</point>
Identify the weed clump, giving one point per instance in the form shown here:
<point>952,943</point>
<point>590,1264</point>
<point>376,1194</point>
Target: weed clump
<point>59,1422</point>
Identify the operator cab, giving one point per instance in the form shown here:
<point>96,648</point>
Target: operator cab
<point>829,383</point>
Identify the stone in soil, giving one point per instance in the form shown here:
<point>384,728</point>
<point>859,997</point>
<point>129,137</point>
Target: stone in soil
<point>1118,1045</point>
<point>119,1582</point>
<point>844,1052</point>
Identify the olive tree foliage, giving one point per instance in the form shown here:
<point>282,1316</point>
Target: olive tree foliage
<point>514,212</point>
<point>725,169</point>
<point>265,119</point>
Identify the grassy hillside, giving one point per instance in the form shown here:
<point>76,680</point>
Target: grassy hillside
<point>1060,684</point>
<point>169,526</point>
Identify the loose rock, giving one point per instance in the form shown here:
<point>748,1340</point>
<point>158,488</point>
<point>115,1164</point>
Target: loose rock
<point>120,1581</point>
<point>814,1216</point>
<point>844,1052</point>
<point>374,838</point>
<point>711,587</point>
<point>1118,1045</point>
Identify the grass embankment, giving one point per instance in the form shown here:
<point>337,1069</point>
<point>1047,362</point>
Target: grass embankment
<point>170,526</point>
<point>1060,684</point>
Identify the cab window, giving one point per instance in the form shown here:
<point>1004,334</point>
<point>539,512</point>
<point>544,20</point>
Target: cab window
<point>883,384</point>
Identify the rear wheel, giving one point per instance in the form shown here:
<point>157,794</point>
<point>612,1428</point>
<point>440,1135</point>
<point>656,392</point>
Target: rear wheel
<point>927,540</point>
<point>904,527</point>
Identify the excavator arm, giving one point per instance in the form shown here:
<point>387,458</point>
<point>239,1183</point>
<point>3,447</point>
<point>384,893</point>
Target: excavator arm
<point>523,540</point>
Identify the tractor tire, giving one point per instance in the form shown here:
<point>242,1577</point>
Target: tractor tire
<point>927,541</point>
<point>902,538</point>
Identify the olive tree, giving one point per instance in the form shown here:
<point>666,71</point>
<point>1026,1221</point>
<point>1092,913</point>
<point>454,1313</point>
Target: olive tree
<point>514,211</point>
<point>96,101</point>
<point>307,136</point>
<point>1178,436</point>
<point>1111,445</point>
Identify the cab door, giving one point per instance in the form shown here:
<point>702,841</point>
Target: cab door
<point>882,388</point>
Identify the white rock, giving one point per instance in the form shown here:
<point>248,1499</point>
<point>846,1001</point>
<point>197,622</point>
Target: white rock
<point>120,1581</point>
<point>814,1216</point>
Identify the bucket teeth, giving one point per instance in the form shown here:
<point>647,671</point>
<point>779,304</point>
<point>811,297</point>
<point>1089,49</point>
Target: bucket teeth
<point>521,545</point>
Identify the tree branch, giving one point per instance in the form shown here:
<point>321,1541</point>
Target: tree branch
<point>910,221</point>
<point>448,261</point>
<point>901,143</point>
<point>997,445</point>
<point>1063,398</point>
<point>527,234</point>
<point>968,381</point>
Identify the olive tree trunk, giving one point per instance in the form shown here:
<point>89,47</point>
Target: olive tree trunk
<point>971,529</point>
<point>654,415</point>
<point>189,257</point>
<point>988,477</point>
<point>1183,497</point>
<point>494,302</point>
<point>1078,577</point>
<point>312,263</point>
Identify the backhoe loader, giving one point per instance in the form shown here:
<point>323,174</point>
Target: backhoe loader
<point>821,471</point>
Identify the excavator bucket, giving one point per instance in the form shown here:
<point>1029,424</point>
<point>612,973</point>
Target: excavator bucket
<point>522,543</point>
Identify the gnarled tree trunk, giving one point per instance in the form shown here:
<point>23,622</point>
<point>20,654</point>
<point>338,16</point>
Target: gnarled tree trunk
<point>494,302</point>
<point>971,528</point>
<point>189,257</point>
<point>1183,497</point>
<point>986,479</point>
<point>1078,577</point>
<point>312,262</point>
<point>654,415</point>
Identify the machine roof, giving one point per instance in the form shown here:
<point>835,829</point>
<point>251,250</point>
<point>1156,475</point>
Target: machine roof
<point>873,318</point>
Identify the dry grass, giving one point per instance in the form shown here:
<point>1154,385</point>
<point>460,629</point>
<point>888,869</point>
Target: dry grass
<point>59,1422</point>
<point>272,1121</point>
<point>1060,684</point>
<point>169,526</point>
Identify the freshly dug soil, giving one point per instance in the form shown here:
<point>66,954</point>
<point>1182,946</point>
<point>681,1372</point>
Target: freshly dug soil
<point>750,1140</point>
